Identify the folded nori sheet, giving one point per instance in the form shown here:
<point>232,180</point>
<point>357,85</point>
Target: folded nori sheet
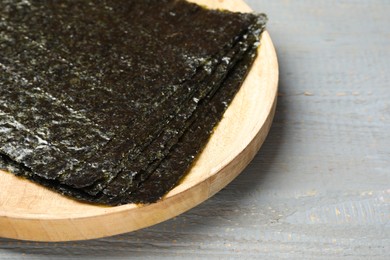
<point>111,101</point>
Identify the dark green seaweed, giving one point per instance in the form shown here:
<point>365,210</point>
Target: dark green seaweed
<point>73,43</point>
<point>192,142</point>
<point>174,166</point>
<point>153,155</point>
<point>160,146</point>
<point>97,96</point>
<point>127,140</point>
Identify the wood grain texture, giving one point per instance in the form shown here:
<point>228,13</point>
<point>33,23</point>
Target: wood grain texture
<point>31,212</point>
<point>319,188</point>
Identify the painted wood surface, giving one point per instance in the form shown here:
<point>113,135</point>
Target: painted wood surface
<point>320,185</point>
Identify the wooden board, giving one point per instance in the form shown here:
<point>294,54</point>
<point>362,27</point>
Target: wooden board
<point>30,212</point>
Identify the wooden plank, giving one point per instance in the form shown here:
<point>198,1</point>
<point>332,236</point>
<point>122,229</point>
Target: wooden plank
<point>319,188</point>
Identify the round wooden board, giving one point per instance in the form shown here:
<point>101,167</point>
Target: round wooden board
<point>31,212</point>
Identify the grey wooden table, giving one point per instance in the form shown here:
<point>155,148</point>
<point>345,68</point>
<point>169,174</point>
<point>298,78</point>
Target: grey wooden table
<point>320,186</point>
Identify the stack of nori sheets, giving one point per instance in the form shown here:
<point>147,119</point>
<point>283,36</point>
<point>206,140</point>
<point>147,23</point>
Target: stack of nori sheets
<point>111,101</point>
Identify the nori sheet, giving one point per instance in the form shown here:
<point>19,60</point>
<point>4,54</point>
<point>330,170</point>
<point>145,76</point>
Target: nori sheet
<point>174,166</point>
<point>127,140</point>
<point>131,177</point>
<point>78,106</point>
<point>160,146</point>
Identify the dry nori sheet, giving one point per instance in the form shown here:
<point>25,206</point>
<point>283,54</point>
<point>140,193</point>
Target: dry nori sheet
<point>62,38</point>
<point>174,165</point>
<point>144,135</point>
<point>131,177</point>
<point>78,106</point>
<point>160,146</point>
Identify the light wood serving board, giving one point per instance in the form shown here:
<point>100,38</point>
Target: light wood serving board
<point>31,212</point>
